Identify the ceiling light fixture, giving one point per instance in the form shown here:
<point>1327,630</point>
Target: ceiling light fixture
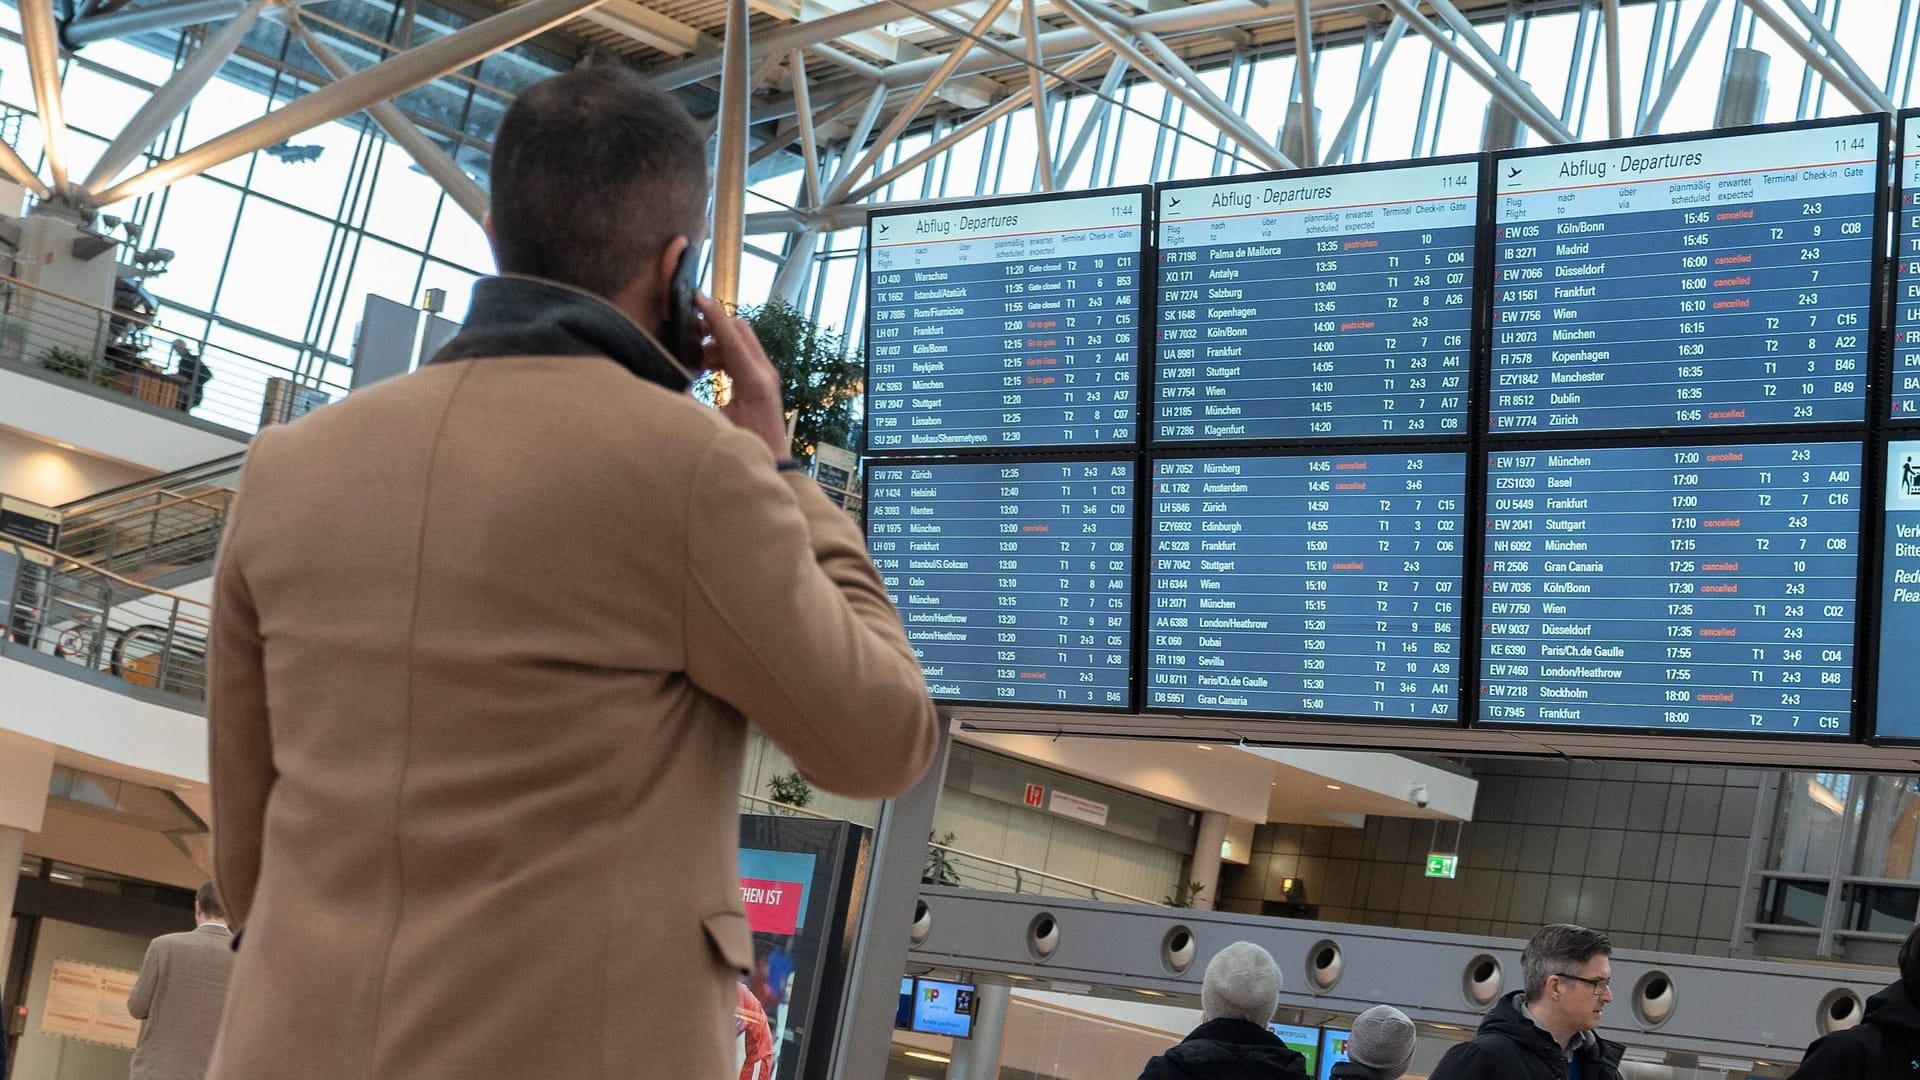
<point>1333,787</point>
<point>928,1055</point>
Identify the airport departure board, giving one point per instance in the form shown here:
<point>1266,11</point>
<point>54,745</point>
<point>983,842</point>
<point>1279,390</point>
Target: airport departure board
<point>1906,293</point>
<point>1317,305</point>
<point>1699,588</point>
<point>1316,585</point>
<point>1897,708</point>
<point>1014,579</point>
<point>1697,283</point>
<point>1006,326</point>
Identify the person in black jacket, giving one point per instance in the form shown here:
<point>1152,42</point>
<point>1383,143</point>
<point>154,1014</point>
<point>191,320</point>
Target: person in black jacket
<point>1546,1031</point>
<point>1237,999</point>
<point>1887,1041</point>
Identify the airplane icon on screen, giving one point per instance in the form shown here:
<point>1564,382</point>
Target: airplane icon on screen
<point>1513,171</point>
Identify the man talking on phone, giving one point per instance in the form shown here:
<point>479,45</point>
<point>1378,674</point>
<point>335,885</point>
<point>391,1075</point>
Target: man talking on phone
<point>487,638</point>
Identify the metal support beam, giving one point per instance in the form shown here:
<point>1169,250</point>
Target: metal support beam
<point>1200,96</point>
<point>1508,90</point>
<point>652,29</point>
<point>914,104</point>
<point>730,168</point>
<point>1303,69</point>
<point>21,173</point>
<point>862,129</point>
<point>797,36</point>
<point>809,147</point>
<point>790,282</point>
<point>1363,97</point>
<point>43,63</point>
<point>1037,90</point>
<point>89,29</point>
<point>1496,67</point>
<point>382,81</point>
<point>173,97</point>
<point>426,153</point>
<point>967,130</point>
<point>1102,105</point>
<point>1610,14</point>
<point>1670,82</point>
<point>1868,95</point>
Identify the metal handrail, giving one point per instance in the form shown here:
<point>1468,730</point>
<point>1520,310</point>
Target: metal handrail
<point>101,621</point>
<point>108,348</point>
<point>1040,880</point>
<point>205,472</point>
<point>778,807</point>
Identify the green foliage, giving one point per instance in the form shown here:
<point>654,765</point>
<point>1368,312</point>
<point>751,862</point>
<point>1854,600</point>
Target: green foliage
<point>790,788</point>
<point>1184,895</point>
<point>819,381</point>
<point>940,869</point>
<point>67,362</point>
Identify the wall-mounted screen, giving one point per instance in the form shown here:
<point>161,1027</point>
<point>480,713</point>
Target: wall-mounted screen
<point>903,1013</point>
<point>943,1008</point>
<point>1333,1050</point>
<point>1696,588</point>
<point>1698,283</point>
<point>1335,304</point>
<point>1014,579</point>
<point>1905,316</point>
<point>1897,711</point>
<point>1324,585</point>
<point>1006,325</point>
<point>1304,1041</point>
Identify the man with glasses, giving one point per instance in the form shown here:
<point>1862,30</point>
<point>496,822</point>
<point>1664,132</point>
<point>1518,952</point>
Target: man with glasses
<point>1546,1031</point>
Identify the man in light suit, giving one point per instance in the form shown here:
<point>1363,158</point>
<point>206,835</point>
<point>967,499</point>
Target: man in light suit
<point>182,987</point>
<point>487,638</point>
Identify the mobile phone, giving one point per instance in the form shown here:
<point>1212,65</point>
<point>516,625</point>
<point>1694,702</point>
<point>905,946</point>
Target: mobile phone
<point>684,329</point>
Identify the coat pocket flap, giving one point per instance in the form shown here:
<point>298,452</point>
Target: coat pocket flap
<point>731,939</point>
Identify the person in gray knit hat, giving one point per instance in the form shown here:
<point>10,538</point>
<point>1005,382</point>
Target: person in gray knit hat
<point>1237,1000</point>
<point>1380,1047</point>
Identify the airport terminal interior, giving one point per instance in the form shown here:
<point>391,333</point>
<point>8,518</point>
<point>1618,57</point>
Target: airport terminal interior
<point>1232,393</point>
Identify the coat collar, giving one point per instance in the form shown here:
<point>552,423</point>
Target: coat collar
<point>517,315</point>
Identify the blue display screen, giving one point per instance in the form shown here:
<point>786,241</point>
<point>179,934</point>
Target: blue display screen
<point>1693,284</point>
<point>1333,1050</point>
<point>1906,295</point>
<point>1898,707</point>
<point>1015,580</point>
<point>1702,588</point>
<point>1007,326</point>
<point>1304,1041</point>
<point>943,1008</point>
<point>903,1015</point>
<point>1332,305</point>
<point>1321,585</point>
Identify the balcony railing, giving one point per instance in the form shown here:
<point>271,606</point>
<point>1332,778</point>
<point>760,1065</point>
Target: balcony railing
<point>122,352</point>
<point>155,525</point>
<point>99,621</point>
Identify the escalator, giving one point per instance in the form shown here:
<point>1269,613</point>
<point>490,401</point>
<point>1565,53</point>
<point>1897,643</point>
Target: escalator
<point>160,531</point>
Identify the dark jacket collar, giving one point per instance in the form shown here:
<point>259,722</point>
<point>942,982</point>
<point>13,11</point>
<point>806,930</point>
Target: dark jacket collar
<point>1893,1010</point>
<point>1510,1018</point>
<point>515,315</point>
<point>1228,1029</point>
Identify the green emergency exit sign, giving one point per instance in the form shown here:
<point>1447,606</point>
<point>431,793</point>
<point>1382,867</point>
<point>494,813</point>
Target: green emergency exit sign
<point>1442,865</point>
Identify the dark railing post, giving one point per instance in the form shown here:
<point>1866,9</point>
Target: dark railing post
<point>166,650</point>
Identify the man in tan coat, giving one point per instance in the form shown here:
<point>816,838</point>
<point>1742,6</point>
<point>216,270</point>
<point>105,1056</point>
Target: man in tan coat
<point>182,986</point>
<point>486,640</point>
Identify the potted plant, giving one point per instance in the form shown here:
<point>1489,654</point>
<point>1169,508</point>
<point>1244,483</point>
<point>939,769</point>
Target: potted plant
<point>940,869</point>
<point>790,789</point>
<point>1184,895</point>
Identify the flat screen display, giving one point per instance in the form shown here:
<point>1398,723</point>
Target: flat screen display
<point>1906,294</point>
<point>1304,1041</point>
<point>1014,579</point>
<point>903,1015</point>
<point>1333,1050</point>
<point>1898,706</point>
<point>1704,283</point>
<point>943,1008</point>
<point>1326,305</point>
<point>1009,325</point>
<point>1687,588</point>
<point>1322,585</point>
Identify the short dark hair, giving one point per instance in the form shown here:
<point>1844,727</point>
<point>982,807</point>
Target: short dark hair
<point>594,171</point>
<point>1910,964</point>
<point>208,901</point>
<point>1555,948</point>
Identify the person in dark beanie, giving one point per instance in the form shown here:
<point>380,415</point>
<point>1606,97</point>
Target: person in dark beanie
<point>1546,1031</point>
<point>1380,1046</point>
<point>1233,1042</point>
<point>1887,1040</point>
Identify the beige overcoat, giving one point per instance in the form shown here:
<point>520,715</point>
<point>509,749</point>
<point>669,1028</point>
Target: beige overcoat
<point>486,640</point>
